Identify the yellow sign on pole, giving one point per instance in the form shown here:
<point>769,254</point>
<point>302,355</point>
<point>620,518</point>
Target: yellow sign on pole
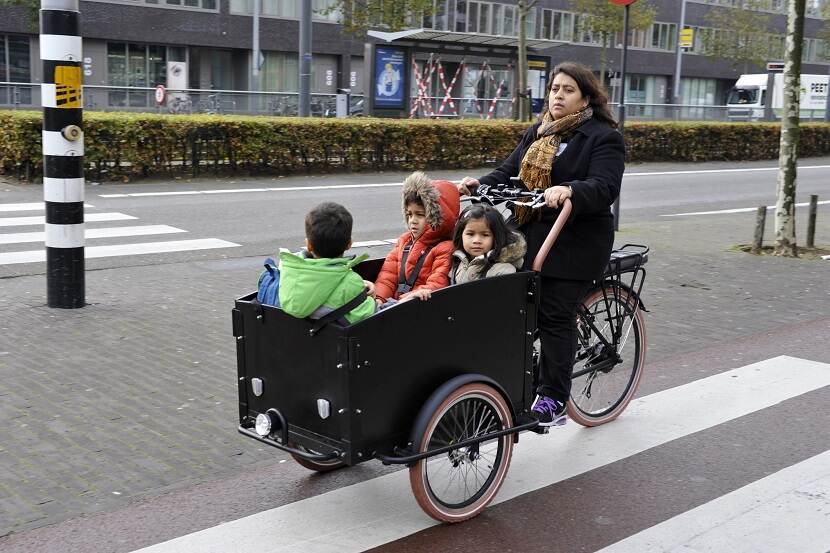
<point>687,38</point>
<point>68,86</point>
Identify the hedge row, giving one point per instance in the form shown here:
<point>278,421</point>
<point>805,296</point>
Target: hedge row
<point>125,146</point>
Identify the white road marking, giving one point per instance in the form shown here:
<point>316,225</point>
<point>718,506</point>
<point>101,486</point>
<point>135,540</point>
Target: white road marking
<point>760,517</point>
<point>705,171</point>
<point>381,510</point>
<point>41,219</point>
<point>123,249</point>
<point>398,184</point>
<point>737,210</point>
<point>240,190</point>
<point>31,206</point>
<point>114,232</point>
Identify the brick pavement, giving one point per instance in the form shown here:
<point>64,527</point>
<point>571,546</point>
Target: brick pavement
<point>135,394</point>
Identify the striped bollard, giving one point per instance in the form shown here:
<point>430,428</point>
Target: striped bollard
<point>63,152</point>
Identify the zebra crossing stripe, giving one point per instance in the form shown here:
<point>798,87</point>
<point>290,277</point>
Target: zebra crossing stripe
<point>33,206</point>
<point>758,517</point>
<point>114,232</point>
<point>143,248</point>
<point>381,510</point>
<point>41,219</point>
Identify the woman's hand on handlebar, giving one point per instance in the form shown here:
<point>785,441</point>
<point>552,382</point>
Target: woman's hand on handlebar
<point>468,186</point>
<point>555,196</point>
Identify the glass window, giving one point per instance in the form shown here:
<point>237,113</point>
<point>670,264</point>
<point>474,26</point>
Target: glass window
<point>530,24</point>
<point>509,20</point>
<point>242,6</point>
<point>177,53</point>
<point>472,18</point>
<point>157,65</point>
<point>743,96</point>
<point>563,26</point>
<point>20,65</point>
<point>547,16</point>
<point>461,16</point>
<point>117,73</point>
<point>4,75</point>
<point>483,18</point>
<point>280,72</point>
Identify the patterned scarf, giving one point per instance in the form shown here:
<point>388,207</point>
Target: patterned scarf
<point>538,161</point>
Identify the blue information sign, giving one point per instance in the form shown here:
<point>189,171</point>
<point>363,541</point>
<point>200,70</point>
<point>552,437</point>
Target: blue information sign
<point>390,81</point>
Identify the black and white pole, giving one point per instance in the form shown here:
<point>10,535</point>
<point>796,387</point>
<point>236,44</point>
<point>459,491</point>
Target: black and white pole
<point>63,152</point>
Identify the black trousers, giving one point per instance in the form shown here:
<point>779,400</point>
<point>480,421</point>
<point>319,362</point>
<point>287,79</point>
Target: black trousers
<point>557,334</point>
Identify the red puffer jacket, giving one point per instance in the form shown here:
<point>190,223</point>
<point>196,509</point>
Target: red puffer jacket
<point>441,202</point>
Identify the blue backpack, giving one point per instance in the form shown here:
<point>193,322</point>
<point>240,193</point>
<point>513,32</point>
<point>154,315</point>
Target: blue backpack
<point>269,284</point>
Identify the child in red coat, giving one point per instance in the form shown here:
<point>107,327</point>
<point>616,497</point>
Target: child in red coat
<point>421,260</point>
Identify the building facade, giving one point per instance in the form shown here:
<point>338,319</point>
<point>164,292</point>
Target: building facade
<point>465,47</point>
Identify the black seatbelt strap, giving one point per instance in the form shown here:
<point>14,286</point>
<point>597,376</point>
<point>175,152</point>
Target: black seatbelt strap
<point>337,313</point>
<point>405,284</point>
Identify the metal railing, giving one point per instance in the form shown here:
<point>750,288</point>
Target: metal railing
<point>243,102</point>
<point>142,99</point>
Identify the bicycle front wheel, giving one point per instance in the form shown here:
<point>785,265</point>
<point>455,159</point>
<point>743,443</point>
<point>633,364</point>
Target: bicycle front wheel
<point>458,485</point>
<point>604,379</point>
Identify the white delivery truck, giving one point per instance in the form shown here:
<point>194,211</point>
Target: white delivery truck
<point>748,97</point>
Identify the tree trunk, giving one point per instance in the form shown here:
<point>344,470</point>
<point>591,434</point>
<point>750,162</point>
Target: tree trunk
<point>788,154</point>
<point>521,63</point>
<point>603,58</point>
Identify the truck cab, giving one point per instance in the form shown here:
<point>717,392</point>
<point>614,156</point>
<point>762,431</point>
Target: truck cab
<point>749,96</point>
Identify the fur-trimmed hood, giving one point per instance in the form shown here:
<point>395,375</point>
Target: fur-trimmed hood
<point>441,201</point>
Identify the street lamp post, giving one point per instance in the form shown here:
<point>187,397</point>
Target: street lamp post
<point>615,209</point>
<point>679,60</point>
<point>305,58</point>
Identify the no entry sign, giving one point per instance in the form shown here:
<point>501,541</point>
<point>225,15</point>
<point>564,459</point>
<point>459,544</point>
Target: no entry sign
<point>622,2</point>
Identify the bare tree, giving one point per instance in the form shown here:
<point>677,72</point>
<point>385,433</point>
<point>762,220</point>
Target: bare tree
<point>788,154</point>
<point>740,34</point>
<point>524,8</point>
<point>390,15</point>
<point>603,19</point>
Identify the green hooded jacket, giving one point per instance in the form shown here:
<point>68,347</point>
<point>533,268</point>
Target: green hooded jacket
<point>307,284</point>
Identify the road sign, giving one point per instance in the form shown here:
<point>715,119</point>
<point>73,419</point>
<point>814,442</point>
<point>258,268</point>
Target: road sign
<point>622,2</point>
<point>161,94</point>
<point>775,66</point>
<point>687,38</point>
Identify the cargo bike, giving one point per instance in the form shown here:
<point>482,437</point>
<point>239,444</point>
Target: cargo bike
<point>443,386</point>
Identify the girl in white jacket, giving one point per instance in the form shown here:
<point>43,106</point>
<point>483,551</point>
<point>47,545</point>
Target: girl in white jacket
<point>484,245</point>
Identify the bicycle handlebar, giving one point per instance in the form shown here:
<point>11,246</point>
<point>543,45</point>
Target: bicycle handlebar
<point>500,193</point>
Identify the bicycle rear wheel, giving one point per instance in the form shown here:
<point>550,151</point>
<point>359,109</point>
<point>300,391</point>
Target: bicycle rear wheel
<point>604,381</point>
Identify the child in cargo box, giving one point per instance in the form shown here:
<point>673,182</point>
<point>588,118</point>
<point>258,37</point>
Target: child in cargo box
<point>421,259</point>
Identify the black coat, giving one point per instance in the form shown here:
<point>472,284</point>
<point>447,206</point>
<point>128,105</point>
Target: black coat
<point>592,164</point>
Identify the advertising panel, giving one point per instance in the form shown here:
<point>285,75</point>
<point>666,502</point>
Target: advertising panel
<point>390,78</point>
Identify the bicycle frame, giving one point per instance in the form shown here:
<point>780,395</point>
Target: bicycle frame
<point>613,281</point>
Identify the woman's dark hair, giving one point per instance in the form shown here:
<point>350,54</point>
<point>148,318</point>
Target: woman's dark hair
<point>589,86</point>
<point>502,235</point>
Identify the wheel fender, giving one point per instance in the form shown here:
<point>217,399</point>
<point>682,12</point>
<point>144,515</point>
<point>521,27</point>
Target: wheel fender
<point>631,292</point>
<point>440,394</point>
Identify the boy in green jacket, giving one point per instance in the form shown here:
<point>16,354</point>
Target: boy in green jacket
<point>316,285</point>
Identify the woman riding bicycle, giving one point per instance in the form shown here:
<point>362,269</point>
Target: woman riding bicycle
<point>574,152</point>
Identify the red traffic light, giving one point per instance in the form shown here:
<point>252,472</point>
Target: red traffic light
<point>622,2</point>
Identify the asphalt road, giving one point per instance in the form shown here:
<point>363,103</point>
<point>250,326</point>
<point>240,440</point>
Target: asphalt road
<point>156,339</point>
<point>262,220</point>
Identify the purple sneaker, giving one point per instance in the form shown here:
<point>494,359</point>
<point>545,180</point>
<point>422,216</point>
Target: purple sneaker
<point>549,411</point>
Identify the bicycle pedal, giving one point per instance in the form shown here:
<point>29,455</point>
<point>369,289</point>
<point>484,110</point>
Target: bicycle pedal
<point>541,430</point>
